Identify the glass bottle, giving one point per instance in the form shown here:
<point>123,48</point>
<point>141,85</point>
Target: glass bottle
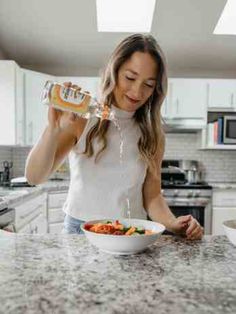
<point>74,100</point>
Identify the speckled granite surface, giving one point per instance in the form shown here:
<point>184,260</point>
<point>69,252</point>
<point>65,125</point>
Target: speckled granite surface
<point>65,274</point>
<point>18,195</point>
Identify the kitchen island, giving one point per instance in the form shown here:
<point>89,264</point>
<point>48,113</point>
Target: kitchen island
<point>66,274</point>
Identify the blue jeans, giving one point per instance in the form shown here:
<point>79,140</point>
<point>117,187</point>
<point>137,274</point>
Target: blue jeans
<point>72,225</point>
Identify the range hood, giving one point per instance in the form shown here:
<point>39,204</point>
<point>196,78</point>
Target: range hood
<point>183,125</point>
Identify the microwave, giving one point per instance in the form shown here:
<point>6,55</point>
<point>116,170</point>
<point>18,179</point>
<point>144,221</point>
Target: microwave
<point>227,129</point>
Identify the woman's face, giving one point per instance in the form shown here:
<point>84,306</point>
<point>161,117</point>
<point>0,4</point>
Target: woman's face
<point>136,81</point>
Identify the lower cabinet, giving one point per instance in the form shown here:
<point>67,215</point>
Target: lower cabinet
<point>56,228</point>
<point>221,214</point>
<point>41,214</point>
<point>31,216</point>
<point>36,226</point>
<point>55,213</point>
<point>224,208</point>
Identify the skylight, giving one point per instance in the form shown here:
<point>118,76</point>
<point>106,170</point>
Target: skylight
<point>125,15</point>
<point>227,21</point>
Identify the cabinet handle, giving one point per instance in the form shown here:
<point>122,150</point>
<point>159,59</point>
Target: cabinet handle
<point>20,131</point>
<point>232,99</point>
<point>30,128</point>
<point>177,106</point>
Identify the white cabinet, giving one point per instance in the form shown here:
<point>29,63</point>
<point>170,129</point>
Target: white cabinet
<point>56,215</point>
<point>187,98</point>
<point>32,215</point>
<point>36,112</point>
<point>11,105</point>
<point>56,228</point>
<point>36,226</point>
<point>166,106</point>
<point>224,208</point>
<point>220,214</point>
<point>222,93</point>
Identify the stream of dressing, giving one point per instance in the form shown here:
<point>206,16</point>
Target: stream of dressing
<point>126,211</point>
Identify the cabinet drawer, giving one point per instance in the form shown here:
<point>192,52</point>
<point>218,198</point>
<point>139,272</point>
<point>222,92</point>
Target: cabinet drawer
<point>221,214</point>
<point>56,215</point>
<point>25,229</point>
<point>56,200</point>
<point>30,209</point>
<point>225,198</point>
<point>55,228</point>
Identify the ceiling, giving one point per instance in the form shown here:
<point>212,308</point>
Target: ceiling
<point>60,37</point>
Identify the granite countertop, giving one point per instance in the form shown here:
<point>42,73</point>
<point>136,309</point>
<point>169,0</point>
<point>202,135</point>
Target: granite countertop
<point>65,274</point>
<point>20,194</point>
<point>223,185</point>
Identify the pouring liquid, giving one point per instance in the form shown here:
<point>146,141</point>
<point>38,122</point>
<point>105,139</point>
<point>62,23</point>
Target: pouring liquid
<point>127,211</point>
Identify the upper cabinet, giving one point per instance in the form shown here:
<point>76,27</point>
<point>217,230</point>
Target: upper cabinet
<point>164,108</point>
<point>11,105</point>
<point>221,93</point>
<point>36,112</point>
<point>187,98</point>
<point>187,106</point>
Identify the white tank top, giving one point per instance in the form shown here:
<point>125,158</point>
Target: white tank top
<point>100,190</point>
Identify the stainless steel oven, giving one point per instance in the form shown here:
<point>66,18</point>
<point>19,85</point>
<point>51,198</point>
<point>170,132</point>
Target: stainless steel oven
<point>184,196</point>
<point>191,200</point>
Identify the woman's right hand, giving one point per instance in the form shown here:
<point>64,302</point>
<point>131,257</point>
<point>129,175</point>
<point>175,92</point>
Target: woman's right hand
<point>62,120</point>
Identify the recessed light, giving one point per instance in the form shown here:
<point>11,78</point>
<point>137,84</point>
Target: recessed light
<point>227,21</point>
<point>125,15</point>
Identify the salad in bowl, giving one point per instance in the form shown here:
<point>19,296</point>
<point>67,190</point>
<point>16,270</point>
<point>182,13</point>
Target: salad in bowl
<point>125,236</point>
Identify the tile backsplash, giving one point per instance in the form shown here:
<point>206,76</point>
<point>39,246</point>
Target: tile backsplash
<point>216,165</point>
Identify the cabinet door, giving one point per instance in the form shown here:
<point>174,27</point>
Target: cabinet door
<point>36,112</point>
<point>56,200</point>
<point>19,106</point>
<point>55,228</point>
<point>39,225</point>
<point>7,103</point>
<point>55,205</point>
<point>25,229</point>
<point>224,198</point>
<point>220,214</point>
<point>188,99</point>
<point>90,84</point>
<point>222,93</point>
<point>56,215</point>
<point>29,210</point>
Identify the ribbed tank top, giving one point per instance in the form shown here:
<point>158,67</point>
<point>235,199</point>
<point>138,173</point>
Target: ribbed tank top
<point>99,190</point>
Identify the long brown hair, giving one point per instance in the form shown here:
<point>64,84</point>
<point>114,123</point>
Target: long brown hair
<point>148,116</point>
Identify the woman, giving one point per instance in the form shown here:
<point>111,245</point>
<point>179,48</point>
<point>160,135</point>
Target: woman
<point>134,85</point>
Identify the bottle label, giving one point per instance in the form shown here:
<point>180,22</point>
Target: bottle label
<point>69,99</point>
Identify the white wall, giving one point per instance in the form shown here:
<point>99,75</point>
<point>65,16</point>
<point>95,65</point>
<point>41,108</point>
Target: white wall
<point>2,55</point>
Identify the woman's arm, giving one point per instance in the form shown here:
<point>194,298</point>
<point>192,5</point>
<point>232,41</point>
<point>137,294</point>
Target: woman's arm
<point>158,210</point>
<point>47,154</point>
<point>53,146</point>
<point>154,202</point>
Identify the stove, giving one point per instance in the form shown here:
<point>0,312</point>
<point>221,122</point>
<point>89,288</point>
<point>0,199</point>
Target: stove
<point>184,198</point>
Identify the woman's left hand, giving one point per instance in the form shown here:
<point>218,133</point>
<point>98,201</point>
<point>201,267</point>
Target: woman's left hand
<point>189,226</point>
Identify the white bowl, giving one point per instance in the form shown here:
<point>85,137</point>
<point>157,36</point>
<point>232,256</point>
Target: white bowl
<point>124,244</point>
<point>230,230</point>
